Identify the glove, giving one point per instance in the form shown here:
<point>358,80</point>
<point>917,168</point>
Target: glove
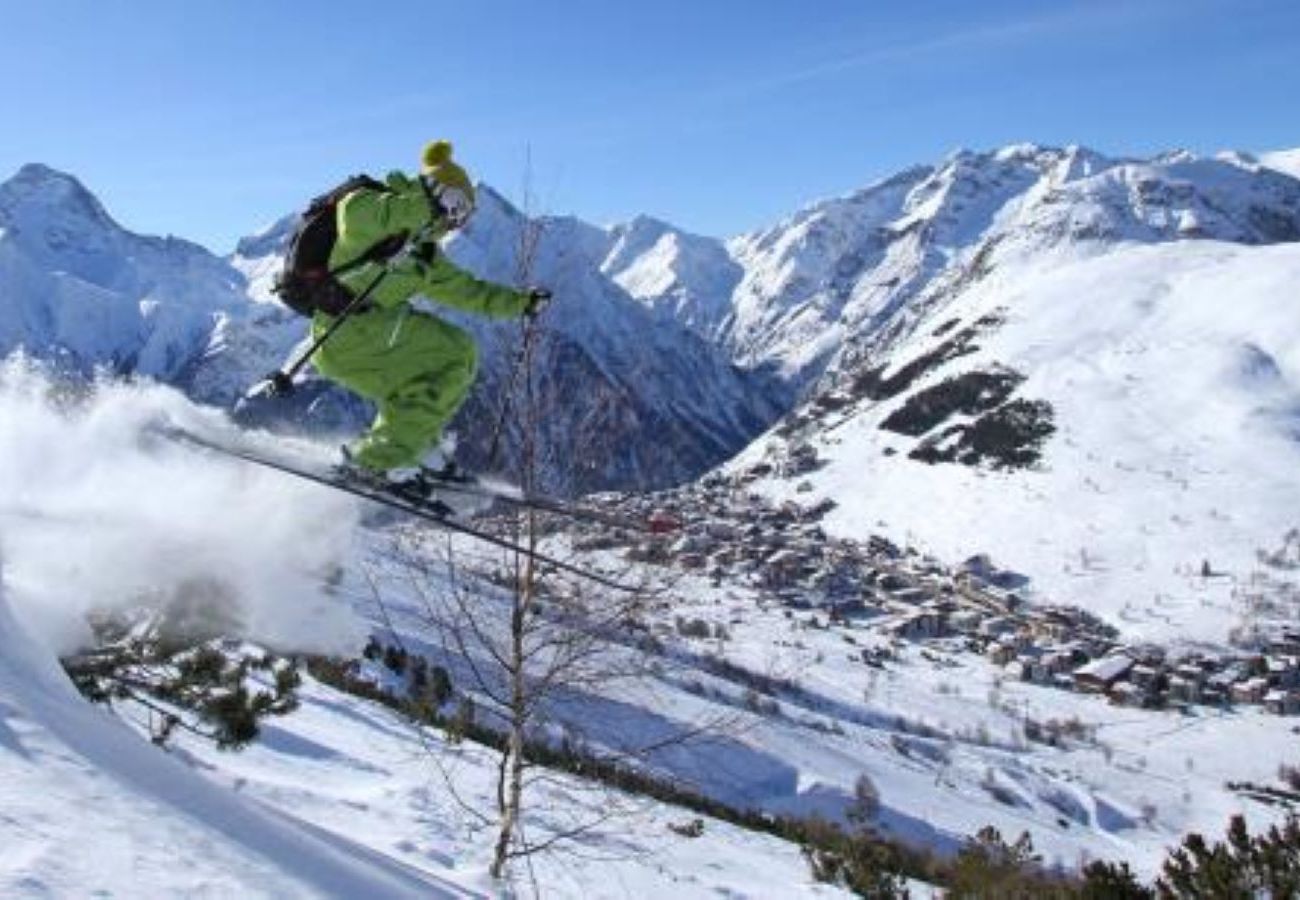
<point>538,299</point>
<point>425,251</point>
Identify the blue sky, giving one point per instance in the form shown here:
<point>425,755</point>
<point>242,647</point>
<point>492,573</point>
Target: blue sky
<point>209,119</point>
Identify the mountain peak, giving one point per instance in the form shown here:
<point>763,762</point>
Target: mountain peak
<point>37,189</point>
<point>39,173</point>
<point>270,240</point>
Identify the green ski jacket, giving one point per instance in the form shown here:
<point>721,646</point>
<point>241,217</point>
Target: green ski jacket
<point>365,217</point>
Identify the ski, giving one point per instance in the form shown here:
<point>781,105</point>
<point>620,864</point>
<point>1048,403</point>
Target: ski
<point>440,516</point>
<point>541,502</point>
<point>466,485</point>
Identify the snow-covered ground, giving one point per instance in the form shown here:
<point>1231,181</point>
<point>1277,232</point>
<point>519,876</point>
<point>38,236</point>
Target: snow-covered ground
<point>1174,373</point>
<point>1286,161</point>
<point>342,798</point>
<point>941,734</point>
<point>342,792</point>
<point>92,809</point>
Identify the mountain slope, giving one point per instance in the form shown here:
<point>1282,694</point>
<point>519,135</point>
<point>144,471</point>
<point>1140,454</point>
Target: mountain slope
<point>648,402</point>
<point>1101,423</point>
<point>340,797</point>
<point>628,397</point>
<point>77,286</point>
<point>843,275</point>
<point>1287,162</point>
<point>103,811</point>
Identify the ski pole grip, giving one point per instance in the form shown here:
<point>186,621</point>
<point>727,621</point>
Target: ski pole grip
<point>281,383</point>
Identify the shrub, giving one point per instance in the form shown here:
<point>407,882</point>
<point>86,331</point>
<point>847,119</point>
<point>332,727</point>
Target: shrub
<point>692,829</point>
<point>395,659</point>
<point>693,628</point>
<point>1108,881</point>
<point>1266,865</point>
<point>866,801</point>
<point>988,868</point>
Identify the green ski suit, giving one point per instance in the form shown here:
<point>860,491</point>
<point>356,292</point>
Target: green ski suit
<point>415,367</point>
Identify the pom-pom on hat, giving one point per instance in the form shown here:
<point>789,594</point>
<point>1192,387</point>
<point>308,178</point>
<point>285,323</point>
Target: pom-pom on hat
<point>435,154</point>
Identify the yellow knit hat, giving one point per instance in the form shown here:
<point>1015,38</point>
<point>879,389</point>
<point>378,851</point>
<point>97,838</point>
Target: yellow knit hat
<point>435,154</point>
<point>436,163</point>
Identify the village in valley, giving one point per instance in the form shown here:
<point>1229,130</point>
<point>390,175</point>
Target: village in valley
<point>720,531</point>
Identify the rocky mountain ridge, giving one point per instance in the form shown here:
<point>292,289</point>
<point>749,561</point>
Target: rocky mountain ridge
<point>668,352</point>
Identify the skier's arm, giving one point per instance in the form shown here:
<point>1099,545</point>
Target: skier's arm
<point>452,286</point>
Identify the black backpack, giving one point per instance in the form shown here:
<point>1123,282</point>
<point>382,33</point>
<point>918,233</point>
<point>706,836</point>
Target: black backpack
<point>307,284</point>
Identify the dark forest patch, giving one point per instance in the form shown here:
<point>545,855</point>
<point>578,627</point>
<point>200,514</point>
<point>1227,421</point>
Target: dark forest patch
<point>1009,437</point>
<point>874,385</point>
<point>971,394</point>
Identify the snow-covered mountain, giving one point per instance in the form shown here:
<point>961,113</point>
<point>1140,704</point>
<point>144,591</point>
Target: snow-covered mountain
<point>646,401</point>
<point>629,397</point>
<point>804,293</point>
<point>345,797</point>
<point>1085,367</point>
<point>1095,379</point>
<point>1285,161</point>
<point>77,286</point>
<point>666,352</point>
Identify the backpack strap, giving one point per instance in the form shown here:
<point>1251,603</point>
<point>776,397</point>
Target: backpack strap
<point>381,250</point>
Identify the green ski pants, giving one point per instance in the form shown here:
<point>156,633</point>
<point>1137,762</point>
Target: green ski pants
<point>415,367</point>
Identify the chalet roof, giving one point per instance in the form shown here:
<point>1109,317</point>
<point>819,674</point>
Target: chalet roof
<point>1108,668</point>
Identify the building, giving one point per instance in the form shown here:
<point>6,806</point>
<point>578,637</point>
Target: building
<point>913,595</point>
<point>1144,676</point>
<point>1126,693</point>
<point>1282,703</point>
<point>1000,653</point>
<point>1251,690</point>
<point>965,621</point>
<point>1184,690</point>
<point>917,626</point>
<point>1058,661</point>
<point>1102,674</point>
<point>996,626</point>
<point>785,568</point>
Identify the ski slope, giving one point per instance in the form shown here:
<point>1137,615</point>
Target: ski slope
<point>91,808</point>
<point>341,798</point>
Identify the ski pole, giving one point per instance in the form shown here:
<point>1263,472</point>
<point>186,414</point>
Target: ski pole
<point>281,380</point>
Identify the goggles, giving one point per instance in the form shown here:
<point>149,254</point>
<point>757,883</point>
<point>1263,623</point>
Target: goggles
<point>456,205</point>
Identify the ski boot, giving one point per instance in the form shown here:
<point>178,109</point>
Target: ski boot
<point>411,484</point>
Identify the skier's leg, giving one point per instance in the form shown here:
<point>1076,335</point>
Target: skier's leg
<point>360,355</point>
<point>440,362</point>
<point>411,419</point>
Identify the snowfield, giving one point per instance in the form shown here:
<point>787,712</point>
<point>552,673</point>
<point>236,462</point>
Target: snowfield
<point>940,734</point>
<point>343,798</point>
<point>1174,373</point>
<point>90,808</point>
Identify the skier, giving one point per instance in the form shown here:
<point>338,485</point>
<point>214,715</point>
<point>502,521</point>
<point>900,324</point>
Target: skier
<point>416,367</point>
